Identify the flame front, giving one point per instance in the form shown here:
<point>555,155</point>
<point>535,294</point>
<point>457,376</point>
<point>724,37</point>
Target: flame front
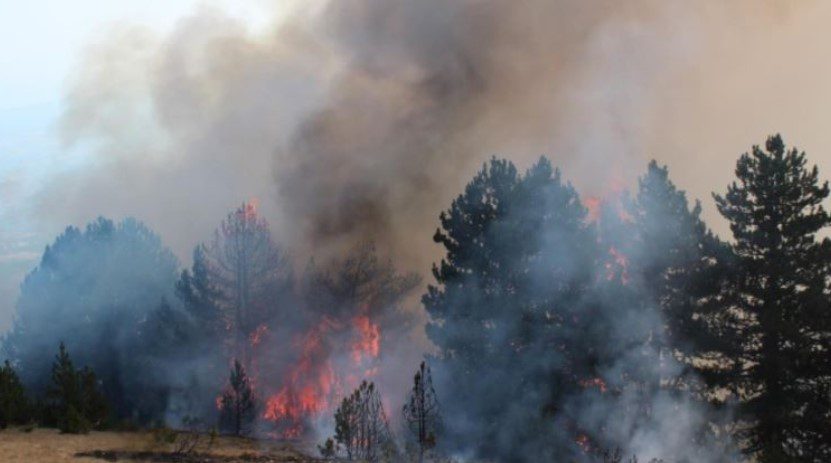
<point>313,385</point>
<point>617,265</point>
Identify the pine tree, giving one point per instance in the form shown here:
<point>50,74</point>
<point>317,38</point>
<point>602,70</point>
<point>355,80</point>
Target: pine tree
<point>681,265</point>
<point>778,302</point>
<point>238,404</point>
<point>95,289</point>
<point>246,272</point>
<point>509,294</point>
<point>94,405</point>
<point>75,397</point>
<point>201,297</point>
<point>421,412</point>
<point>14,405</point>
<point>65,390</point>
<point>346,425</point>
<point>361,425</point>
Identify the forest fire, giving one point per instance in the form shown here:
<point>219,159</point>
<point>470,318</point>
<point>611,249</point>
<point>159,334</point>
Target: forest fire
<point>308,387</point>
<point>594,382</point>
<point>313,385</point>
<point>617,266</point>
<point>611,208</point>
<point>257,336</point>
<point>367,346</point>
<point>473,257</point>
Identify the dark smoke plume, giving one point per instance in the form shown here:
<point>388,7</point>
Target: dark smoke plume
<point>359,119</point>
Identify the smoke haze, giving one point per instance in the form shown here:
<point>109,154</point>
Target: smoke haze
<point>359,119</point>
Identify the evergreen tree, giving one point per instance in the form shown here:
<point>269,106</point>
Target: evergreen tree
<point>201,297</point>
<point>76,401</point>
<point>65,390</point>
<point>361,283</point>
<point>96,289</point>
<point>238,404</point>
<point>346,425</point>
<point>14,405</point>
<point>361,425</point>
<point>510,294</point>
<point>778,304</point>
<point>94,406</point>
<point>242,274</point>
<point>421,412</point>
<point>680,264</point>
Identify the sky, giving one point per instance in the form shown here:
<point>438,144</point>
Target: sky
<point>378,111</point>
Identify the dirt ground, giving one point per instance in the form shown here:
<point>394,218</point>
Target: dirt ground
<point>50,446</point>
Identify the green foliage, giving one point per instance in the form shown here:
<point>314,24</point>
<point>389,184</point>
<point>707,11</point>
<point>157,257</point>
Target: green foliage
<point>94,289</point>
<point>238,404</point>
<point>75,399</point>
<point>74,422</point>
<point>14,405</point>
<point>776,310</point>
<point>509,301</point>
<point>679,262</point>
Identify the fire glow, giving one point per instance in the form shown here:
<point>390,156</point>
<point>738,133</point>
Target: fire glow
<point>313,385</point>
<point>616,262</point>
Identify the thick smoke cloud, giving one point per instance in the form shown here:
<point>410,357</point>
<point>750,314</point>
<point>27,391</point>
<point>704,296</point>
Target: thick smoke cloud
<point>359,119</point>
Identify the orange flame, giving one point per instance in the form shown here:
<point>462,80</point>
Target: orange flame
<point>367,346</point>
<point>313,383</point>
<point>309,387</point>
<point>582,441</point>
<point>594,382</point>
<point>592,204</point>
<point>617,265</point>
<point>257,335</point>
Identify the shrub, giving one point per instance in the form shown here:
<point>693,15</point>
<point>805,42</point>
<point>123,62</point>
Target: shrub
<point>74,422</point>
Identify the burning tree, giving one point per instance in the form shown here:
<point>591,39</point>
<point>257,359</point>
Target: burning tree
<point>347,302</point>
<point>421,412</point>
<point>361,426</point>
<point>248,273</point>
<point>238,404</point>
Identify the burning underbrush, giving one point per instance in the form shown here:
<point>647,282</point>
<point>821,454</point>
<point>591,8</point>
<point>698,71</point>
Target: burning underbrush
<point>333,358</point>
<point>327,336</point>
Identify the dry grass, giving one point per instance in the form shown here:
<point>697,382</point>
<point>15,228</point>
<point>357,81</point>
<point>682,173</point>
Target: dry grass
<point>50,446</point>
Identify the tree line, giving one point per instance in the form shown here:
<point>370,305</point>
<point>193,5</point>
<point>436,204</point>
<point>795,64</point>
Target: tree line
<point>599,325</point>
<point>558,334</point>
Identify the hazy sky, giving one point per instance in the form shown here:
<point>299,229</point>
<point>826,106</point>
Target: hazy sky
<point>41,44</point>
<point>180,109</point>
